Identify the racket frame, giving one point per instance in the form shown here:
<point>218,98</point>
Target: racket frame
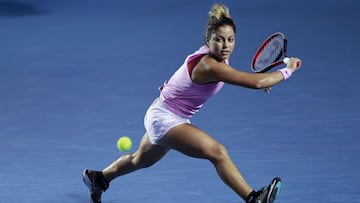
<point>277,61</point>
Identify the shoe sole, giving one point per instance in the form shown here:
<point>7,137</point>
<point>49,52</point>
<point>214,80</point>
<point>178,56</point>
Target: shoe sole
<point>274,191</point>
<point>86,180</point>
<point>88,184</point>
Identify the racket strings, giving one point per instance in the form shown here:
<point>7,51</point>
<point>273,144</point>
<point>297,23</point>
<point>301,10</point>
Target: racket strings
<point>270,52</point>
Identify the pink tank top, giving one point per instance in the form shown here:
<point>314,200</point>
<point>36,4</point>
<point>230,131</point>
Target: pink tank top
<point>184,97</point>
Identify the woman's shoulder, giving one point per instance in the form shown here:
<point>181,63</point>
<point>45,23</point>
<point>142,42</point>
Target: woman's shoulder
<point>211,61</point>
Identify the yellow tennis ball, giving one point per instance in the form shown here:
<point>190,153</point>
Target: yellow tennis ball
<point>124,143</point>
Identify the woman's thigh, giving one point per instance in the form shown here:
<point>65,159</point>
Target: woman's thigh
<point>147,154</point>
<point>192,141</point>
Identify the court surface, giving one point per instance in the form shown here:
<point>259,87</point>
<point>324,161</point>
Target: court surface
<point>75,75</point>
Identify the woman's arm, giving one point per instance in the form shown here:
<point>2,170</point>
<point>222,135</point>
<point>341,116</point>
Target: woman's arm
<point>210,70</point>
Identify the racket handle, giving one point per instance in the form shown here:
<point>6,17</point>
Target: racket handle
<point>286,60</point>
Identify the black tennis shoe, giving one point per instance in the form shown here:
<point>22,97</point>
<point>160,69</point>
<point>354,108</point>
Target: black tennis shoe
<point>267,194</point>
<point>96,183</point>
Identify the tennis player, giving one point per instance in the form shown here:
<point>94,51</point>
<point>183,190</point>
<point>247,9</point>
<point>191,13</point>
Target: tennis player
<point>167,122</point>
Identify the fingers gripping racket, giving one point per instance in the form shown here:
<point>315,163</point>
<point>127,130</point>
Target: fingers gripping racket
<point>271,53</point>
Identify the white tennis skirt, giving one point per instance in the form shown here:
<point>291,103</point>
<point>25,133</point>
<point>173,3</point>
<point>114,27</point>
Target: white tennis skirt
<point>159,120</point>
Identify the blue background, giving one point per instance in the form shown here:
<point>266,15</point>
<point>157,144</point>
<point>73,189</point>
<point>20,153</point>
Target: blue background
<point>75,75</point>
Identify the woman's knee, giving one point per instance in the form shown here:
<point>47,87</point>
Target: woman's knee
<point>140,162</point>
<point>145,159</point>
<point>146,163</point>
<point>218,152</point>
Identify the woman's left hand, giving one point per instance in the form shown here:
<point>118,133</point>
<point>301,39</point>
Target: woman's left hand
<point>267,90</point>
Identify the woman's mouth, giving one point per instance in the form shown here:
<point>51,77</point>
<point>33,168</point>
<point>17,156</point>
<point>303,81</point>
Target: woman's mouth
<point>225,53</point>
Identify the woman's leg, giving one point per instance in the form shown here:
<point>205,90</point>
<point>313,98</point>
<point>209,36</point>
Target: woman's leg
<point>146,155</point>
<point>192,141</point>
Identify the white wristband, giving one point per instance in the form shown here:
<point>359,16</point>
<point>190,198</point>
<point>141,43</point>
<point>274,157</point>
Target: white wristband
<point>286,72</point>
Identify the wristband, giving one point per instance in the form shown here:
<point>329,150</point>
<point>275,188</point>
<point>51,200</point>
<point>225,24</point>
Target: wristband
<point>285,72</point>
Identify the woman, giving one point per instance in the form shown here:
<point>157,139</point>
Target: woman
<point>167,119</point>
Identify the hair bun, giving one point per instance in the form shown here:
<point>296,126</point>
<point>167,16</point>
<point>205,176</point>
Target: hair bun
<point>219,11</point>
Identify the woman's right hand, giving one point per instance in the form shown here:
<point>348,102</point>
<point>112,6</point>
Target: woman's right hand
<point>294,64</point>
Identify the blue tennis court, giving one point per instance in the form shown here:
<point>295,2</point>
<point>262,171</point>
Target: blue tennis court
<point>75,75</point>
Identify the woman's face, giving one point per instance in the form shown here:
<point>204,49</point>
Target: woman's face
<point>222,42</point>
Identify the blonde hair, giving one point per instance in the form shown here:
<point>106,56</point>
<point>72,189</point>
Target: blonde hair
<point>219,11</point>
<point>219,15</point>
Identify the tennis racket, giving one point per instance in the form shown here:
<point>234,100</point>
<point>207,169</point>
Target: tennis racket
<point>271,53</point>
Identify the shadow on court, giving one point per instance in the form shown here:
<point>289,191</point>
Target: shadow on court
<point>12,9</point>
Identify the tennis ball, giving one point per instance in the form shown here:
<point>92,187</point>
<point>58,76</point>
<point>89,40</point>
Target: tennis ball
<point>124,143</point>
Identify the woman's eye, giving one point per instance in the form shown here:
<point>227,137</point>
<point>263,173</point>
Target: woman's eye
<point>218,40</point>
